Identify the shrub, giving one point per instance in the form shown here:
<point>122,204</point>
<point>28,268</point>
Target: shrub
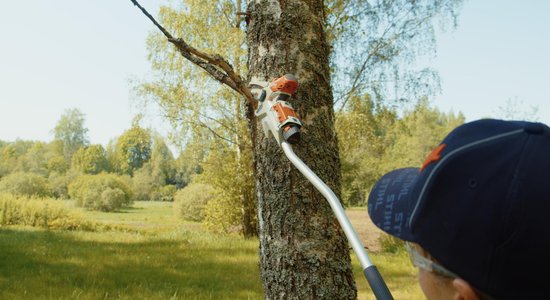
<point>59,183</point>
<point>25,184</point>
<point>164,193</point>
<point>40,212</point>
<point>143,183</point>
<point>105,192</point>
<point>223,214</point>
<point>391,244</point>
<point>190,201</point>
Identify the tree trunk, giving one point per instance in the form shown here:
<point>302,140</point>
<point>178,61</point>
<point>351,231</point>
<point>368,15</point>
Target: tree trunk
<point>303,251</point>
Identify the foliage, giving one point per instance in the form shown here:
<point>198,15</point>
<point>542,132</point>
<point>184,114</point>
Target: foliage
<point>374,140</point>
<point>90,160</point>
<point>25,184</point>
<point>416,135</point>
<point>186,94</point>
<point>377,45</point>
<point>197,106</point>
<point>70,132</point>
<point>12,156</point>
<point>164,193</point>
<point>190,201</point>
<point>59,183</point>
<point>231,182</point>
<point>133,149</point>
<point>188,163</point>
<point>150,180</point>
<point>31,157</point>
<point>35,159</point>
<point>362,131</point>
<point>162,162</point>
<point>104,192</point>
<point>39,212</point>
<point>143,184</point>
<point>57,164</point>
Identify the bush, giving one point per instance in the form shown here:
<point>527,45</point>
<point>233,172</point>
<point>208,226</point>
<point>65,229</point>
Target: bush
<point>190,201</point>
<point>164,193</point>
<point>59,183</point>
<point>39,212</point>
<point>25,184</point>
<point>143,183</point>
<point>104,192</point>
<point>391,244</point>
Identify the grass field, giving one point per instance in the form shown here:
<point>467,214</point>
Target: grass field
<point>151,255</point>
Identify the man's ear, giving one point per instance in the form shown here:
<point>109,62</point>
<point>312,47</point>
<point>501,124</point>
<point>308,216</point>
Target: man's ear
<point>464,291</point>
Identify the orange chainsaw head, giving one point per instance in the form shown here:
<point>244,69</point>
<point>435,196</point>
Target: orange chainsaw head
<point>284,111</point>
<point>286,84</point>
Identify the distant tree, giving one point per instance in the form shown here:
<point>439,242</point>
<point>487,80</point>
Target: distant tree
<point>36,159</point>
<point>374,140</point>
<point>57,164</point>
<point>162,162</point>
<point>8,159</point>
<point>133,149</point>
<point>13,157</point>
<point>90,160</point>
<point>362,138</point>
<point>156,179</point>
<point>515,109</point>
<point>70,132</point>
<point>143,184</point>
<point>188,163</point>
<point>416,135</point>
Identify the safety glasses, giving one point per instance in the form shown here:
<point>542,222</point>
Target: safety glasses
<point>423,263</point>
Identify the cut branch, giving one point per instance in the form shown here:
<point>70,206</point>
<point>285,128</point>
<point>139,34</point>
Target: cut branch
<point>215,65</point>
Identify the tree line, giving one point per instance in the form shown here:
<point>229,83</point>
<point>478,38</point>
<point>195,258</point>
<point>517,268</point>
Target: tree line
<point>211,178</point>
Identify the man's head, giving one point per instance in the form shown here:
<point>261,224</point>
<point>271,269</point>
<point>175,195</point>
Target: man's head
<point>480,206</point>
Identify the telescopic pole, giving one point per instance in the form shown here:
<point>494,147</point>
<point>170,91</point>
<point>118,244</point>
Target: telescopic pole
<point>379,287</point>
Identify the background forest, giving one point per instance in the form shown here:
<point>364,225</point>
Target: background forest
<point>201,180</point>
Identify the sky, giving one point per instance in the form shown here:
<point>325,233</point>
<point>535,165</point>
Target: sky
<point>62,54</point>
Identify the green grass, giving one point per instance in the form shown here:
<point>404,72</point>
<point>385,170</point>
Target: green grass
<point>399,274</point>
<point>161,258</point>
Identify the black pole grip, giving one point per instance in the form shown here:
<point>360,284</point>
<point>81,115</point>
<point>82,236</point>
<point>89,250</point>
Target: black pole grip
<point>377,284</point>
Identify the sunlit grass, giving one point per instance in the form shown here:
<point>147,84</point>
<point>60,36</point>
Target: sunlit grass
<point>397,271</point>
<point>159,258</point>
<point>57,265</point>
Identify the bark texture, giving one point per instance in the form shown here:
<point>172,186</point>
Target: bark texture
<point>303,251</point>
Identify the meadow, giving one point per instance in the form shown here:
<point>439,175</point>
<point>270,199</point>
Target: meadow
<point>145,252</point>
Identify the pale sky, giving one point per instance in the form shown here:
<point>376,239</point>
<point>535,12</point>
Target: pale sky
<point>62,54</point>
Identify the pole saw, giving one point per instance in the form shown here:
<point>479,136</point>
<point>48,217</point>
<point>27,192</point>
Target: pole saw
<point>279,120</point>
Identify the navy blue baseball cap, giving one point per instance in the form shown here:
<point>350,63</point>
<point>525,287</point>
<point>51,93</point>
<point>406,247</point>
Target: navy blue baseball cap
<point>480,205</point>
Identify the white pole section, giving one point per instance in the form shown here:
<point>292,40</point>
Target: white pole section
<point>337,208</point>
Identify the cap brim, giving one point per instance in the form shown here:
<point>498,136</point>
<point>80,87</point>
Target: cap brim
<point>391,202</point>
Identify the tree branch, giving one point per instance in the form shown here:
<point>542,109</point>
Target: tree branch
<point>379,45</point>
<point>215,65</point>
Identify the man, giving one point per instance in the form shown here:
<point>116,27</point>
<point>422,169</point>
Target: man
<point>476,215</point>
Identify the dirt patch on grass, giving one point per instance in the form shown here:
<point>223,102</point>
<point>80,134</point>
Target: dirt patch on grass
<point>367,231</point>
